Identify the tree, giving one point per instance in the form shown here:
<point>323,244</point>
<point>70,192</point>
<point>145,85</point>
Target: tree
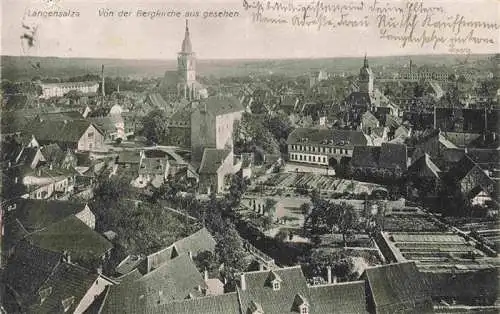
<point>327,217</point>
<point>155,126</point>
<point>230,252</point>
<point>205,260</point>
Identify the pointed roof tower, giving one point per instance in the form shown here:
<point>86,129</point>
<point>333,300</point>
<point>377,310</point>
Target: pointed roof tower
<point>186,43</point>
<point>365,63</point>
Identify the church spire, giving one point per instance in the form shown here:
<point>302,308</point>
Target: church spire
<point>186,43</point>
<point>365,64</point>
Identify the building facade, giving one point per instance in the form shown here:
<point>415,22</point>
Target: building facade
<point>60,89</point>
<point>323,147</point>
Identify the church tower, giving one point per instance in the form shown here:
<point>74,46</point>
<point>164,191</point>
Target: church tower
<point>186,67</point>
<point>366,78</point>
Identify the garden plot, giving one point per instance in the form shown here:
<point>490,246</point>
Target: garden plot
<point>428,237</point>
<point>322,182</point>
<point>410,223</point>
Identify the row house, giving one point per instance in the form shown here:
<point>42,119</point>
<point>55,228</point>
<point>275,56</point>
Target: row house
<point>323,147</point>
<point>60,89</point>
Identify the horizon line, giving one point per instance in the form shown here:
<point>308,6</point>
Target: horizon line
<point>260,58</point>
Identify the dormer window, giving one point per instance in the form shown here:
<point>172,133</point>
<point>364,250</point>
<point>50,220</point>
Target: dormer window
<point>67,303</point>
<point>44,294</point>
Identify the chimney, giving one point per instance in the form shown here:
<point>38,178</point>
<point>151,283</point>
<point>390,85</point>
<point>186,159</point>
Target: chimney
<point>99,270</point>
<point>243,282</point>
<point>206,274</point>
<point>190,255</point>
<point>102,78</point>
<point>50,166</point>
<point>329,274</point>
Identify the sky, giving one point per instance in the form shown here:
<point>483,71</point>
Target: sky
<point>215,38</point>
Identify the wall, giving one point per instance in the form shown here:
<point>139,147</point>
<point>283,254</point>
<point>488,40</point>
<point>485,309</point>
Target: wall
<point>202,133</point>
<point>94,142</point>
<point>87,217</point>
<point>95,290</point>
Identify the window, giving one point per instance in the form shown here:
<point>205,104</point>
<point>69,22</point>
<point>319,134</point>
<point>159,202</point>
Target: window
<point>304,309</point>
<point>324,159</point>
<point>91,134</point>
<point>314,158</point>
<point>300,157</point>
<point>276,285</point>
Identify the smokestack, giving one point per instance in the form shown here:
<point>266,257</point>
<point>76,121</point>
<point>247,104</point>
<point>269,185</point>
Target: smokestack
<point>102,78</point>
<point>329,274</point>
<point>206,275</point>
<point>243,282</point>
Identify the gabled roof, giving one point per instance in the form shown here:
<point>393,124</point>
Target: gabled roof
<point>397,286</point>
<point>53,153</point>
<point>37,214</point>
<point>212,159</point>
<point>369,120</point>
<point>28,268</point>
<point>225,303</point>
<point>324,136</point>
<point>260,291</point>
<point>338,298</point>
<point>59,131</point>
<point>195,243</point>
<point>128,157</point>
<point>173,280</point>
<point>220,105</point>
<point>73,236</point>
<point>393,155</point>
<point>389,155</point>
<point>366,156</point>
<point>156,100</point>
<point>68,281</point>
<point>425,167</point>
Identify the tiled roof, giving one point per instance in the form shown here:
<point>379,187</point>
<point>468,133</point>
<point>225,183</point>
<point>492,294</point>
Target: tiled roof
<point>221,304</point>
<point>393,155</point>
<point>105,124</point>
<point>339,298</point>
<point>366,156</point>
<point>172,281</point>
<point>195,243</point>
<point>128,157</point>
<point>389,155</point>
<point>53,153</point>
<point>212,159</point>
<point>369,120</point>
<point>258,289</point>
<point>28,269</point>
<point>153,166</point>
<point>424,166</point>
<point>73,236</point>
<point>67,281</point>
<point>156,100</point>
<point>219,105</point>
<point>60,116</point>
<point>397,286</point>
<point>58,131</point>
<point>37,214</point>
<point>325,136</point>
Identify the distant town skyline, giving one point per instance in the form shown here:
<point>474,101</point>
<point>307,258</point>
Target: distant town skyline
<point>91,36</point>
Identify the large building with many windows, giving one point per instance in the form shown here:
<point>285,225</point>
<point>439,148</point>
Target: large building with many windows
<point>323,147</point>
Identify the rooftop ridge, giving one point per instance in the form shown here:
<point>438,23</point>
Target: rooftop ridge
<point>338,283</point>
<point>269,270</point>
